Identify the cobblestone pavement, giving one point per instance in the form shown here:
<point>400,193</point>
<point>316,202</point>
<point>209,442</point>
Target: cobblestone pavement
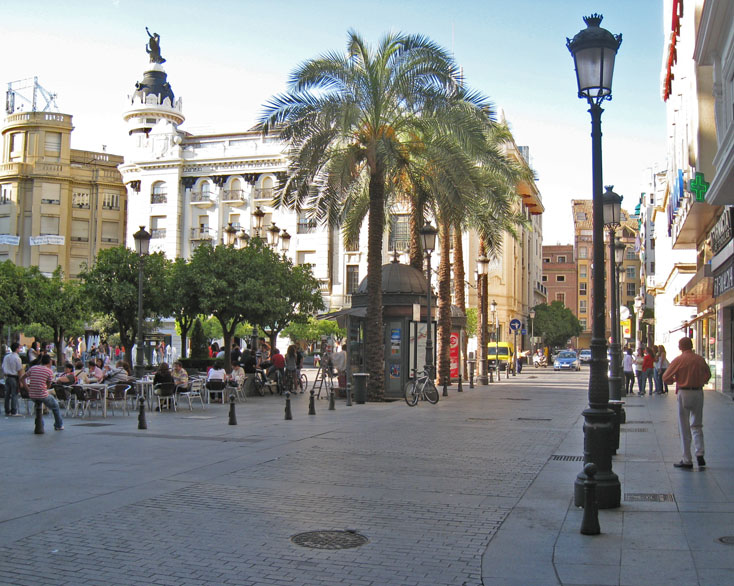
<point>195,501</point>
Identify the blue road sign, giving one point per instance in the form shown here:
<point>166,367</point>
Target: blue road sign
<point>524,332</point>
<point>515,324</point>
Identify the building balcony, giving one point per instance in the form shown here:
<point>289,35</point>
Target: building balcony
<point>264,194</point>
<point>692,222</point>
<point>234,197</point>
<point>542,289</point>
<point>202,233</point>
<point>306,227</point>
<point>158,233</point>
<point>156,198</point>
<point>202,199</point>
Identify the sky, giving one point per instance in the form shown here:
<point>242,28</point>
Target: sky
<point>226,58</point>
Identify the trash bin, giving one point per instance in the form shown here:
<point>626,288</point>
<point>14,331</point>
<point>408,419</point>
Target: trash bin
<point>360,387</point>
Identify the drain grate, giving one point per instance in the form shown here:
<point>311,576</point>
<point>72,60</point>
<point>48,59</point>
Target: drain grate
<point>627,406</point>
<point>330,539</point>
<point>726,540</point>
<point>91,424</point>
<point>559,458</point>
<point>649,497</point>
<point>637,422</point>
<point>476,419</point>
<point>515,399</point>
<point>533,419</point>
<point>633,429</point>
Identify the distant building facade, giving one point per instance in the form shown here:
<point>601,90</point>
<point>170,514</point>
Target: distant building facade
<point>560,277</point>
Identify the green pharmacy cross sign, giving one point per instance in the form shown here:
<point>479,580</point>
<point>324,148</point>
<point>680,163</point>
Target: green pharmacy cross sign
<point>699,187</point>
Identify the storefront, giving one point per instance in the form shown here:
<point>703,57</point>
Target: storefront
<point>721,323</point>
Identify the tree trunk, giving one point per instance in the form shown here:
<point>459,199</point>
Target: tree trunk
<point>227,336</point>
<point>459,294</point>
<point>444,303</point>
<point>483,321</point>
<point>58,344</point>
<point>416,223</point>
<point>374,328</point>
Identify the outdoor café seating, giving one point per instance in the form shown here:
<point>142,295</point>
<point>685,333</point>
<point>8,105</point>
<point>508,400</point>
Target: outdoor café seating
<point>192,390</point>
<point>165,393</point>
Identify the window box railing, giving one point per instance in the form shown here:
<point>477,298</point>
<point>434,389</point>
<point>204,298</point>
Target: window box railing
<point>201,233</point>
<point>306,226</point>
<point>201,197</point>
<point>233,195</point>
<point>265,193</point>
<point>158,233</point>
<point>80,238</point>
<point>51,201</point>
<point>159,198</point>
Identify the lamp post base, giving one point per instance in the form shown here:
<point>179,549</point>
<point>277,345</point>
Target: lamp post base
<point>598,441</point>
<point>482,379</point>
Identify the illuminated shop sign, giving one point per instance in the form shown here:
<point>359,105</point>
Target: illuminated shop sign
<point>724,278</point>
<point>721,234</point>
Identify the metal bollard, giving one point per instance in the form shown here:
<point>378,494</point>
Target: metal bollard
<point>311,404</point>
<point>39,418</point>
<point>491,374</point>
<point>332,407</point>
<point>445,387</point>
<point>461,376</point>
<point>288,412</point>
<point>349,394</point>
<point>590,521</point>
<point>232,416</point>
<point>471,374</point>
<point>141,415</point>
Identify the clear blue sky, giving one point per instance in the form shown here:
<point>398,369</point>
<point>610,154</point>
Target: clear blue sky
<point>225,58</point>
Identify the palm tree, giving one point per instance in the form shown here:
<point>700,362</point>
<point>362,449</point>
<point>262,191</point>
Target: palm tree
<point>353,123</point>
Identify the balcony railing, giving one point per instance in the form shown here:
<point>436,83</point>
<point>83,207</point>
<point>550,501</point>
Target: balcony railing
<point>203,197</point>
<point>159,198</point>
<point>51,201</point>
<point>306,226</point>
<point>202,233</point>
<point>158,233</point>
<point>265,193</point>
<point>233,195</point>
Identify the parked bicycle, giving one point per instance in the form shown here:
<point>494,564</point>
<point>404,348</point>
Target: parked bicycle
<point>421,387</point>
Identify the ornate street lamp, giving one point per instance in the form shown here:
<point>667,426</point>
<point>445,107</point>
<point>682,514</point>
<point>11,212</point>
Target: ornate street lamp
<point>273,236</point>
<point>242,238</point>
<point>428,240</point>
<point>230,235</point>
<point>594,50</point>
<point>531,314</point>
<point>142,246</point>
<point>493,308</point>
<point>285,241</point>
<point>259,216</point>
<point>482,268</point>
<point>612,219</point>
<point>639,308</point>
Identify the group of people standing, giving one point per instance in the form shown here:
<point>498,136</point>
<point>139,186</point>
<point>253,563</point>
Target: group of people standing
<point>647,366</point>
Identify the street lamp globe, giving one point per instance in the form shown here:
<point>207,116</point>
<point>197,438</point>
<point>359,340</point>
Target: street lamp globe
<point>273,235</point>
<point>142,241</point>
<point>612,207</point>
<point>619,249</point>
<point>285,241</point>
<point>493,306</point>
<point>594,50</point>
<point>428,237</point>
<point>243,238</point>
<point>482,265</point>
<point>230,234</point>
<point>259,216</point>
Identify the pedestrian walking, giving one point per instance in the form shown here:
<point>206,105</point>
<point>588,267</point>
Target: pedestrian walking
<point>661,365</point>
<point>628,367</point>
<point>639,359</point>
<point>689,372</point>
<point>648,371</point>
<point>12,367</point>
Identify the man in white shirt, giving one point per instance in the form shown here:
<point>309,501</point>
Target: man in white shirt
<point>12,366</point>
<point>628,367</point>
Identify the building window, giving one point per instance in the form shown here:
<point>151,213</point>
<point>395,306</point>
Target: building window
<point>16,146</point>
<point>79,231</point>
<point>399,233</point>
<point>561,259</point>
<point>582,288</point>
<point>47,263</point>
<point>561,297</point>
<point>49,225</point>
<point>631,290</point>
<point>580,216</point>
<point>583,324</point>
<point>583,252</point>
<point>546,259</point>
<point>631,273</point>
<point>582,306</point>
<point>544,278</point>
<point>157,226</point>
<point>561,278</point>
<point>110,232</point>
<point>583,274</point>
<point>159,193</point>
<point>652,267</point>
<point>80,200</point>
<point>51,193</point>
<point>630,254</point>
<point>306,225</point>
<point>111,201</point>
<point>53,144</point>
<point>352,279</point>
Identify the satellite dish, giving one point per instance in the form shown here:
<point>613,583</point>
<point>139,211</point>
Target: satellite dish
<point>624,312</point>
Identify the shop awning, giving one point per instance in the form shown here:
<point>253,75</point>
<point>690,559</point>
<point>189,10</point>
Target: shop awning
<point>699,289</point>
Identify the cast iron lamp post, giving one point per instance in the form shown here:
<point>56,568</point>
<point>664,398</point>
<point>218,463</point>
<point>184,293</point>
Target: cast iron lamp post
<point>612,220</point>
<point>142,246</point>
<point>493,308</point>
<point>285,241</point>
<point>230,235</point>
<point>482,266</point>
<point>428,240</point>
<point>273,236</point>
<point>594,50</point>
<point>242,238</point>
<point>259,216</point>
<point>531,313</point>
<point>639,303</point>
<point>619,249</point>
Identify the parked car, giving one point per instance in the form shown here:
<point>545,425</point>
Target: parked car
<point>585,356</point>
<point>567,360</point>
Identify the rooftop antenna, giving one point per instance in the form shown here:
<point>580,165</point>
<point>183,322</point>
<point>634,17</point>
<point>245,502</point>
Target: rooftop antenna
<point>25,92</point>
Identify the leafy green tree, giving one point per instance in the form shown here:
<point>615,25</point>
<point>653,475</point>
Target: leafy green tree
<point>311,331</point>
<point>472,321</point>
<point>14,296</point>
<point>199,345</point>
<point>58,305</point>
<point>183,297</point>
<point>110,286</point>
<point>555,323</point>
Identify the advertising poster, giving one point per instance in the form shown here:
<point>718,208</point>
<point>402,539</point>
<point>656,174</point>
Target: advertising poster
<point>454,355</point>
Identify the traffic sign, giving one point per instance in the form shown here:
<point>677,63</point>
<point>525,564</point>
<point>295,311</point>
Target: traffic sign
<point>524,332</point>
<point>515,324</point>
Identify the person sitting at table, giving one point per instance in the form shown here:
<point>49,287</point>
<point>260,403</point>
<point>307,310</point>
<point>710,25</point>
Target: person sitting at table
<point>277,364</point>
<point>67,377</point>
<point>163,374</point>
<point>180,376</point>
<point>94,372</point>
<point>216,372</point>
<point>79,373</point>
<point>116,374</point>
<point>236,376</point>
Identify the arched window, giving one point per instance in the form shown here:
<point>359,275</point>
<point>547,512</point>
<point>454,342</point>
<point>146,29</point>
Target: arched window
<point>159,193</point>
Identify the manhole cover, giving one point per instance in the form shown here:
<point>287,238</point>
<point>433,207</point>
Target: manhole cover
<point>726,540</point>
<point>650,497</point>
<point>560,458</point>
<point>329,539</point>
<point>91,424</point>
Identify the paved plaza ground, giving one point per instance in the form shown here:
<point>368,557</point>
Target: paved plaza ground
<point>475,490</point>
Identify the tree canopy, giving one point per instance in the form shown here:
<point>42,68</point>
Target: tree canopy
<point>555,323</point>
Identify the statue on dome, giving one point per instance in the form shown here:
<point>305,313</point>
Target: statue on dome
<point>153,48</point>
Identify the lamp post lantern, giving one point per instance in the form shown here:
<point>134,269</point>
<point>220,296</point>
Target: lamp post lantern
<point>259,217</point>
<point>230,235</point>
<point>531,314</point>
<point>142,246</point>
<point>482,266</point>
<point>428,240</point>
<point>242,238</point>
<point>285,241</point>
<point>639,308</point>
<point>493,308</point>
<point>594,50</point>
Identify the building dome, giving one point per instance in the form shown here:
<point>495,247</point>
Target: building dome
<point>399,278</point>
<point>154,83</point>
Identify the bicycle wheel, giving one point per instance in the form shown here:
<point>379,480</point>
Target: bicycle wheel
<point>303,382</point>
<point>411,393</point>
<point>259,387</point>
<point>430,392</point>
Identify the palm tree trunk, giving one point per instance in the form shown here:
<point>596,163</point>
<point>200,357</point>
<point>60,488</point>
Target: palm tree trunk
<point>416,223</point>
<point>459,295</point>
<point>444,302</point>
<point>374,328</point>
